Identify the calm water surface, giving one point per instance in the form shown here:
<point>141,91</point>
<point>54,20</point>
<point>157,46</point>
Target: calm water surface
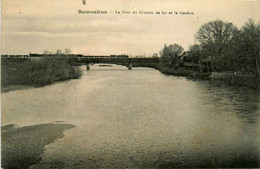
<point>141,119</point>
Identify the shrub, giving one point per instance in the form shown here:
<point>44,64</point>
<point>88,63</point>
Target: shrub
<point>38,73</point>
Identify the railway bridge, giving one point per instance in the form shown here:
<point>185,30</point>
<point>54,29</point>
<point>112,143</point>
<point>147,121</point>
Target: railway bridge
<point>80,59</point>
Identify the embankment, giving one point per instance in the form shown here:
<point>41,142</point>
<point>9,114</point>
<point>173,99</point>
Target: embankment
<point>230,78</point>
<point>36,73</point>
<point>237,79</point>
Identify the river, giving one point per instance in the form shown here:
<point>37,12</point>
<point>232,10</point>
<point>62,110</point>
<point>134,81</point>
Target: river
<point>141,118</point>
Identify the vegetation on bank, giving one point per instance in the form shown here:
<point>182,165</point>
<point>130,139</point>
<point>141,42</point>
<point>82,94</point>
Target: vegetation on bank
<point>37,73</point>
<point>229,78</point>
<point>222,48</point>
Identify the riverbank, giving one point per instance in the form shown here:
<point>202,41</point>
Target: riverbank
<point>25,72</point>
<point>230,78</point>
<point>21,147</point>
<point>15,87</point>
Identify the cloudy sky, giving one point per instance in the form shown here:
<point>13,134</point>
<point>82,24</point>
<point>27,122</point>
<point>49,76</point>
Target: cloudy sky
<point>36,25</point>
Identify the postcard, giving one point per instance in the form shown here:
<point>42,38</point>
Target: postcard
<point>130,84</point>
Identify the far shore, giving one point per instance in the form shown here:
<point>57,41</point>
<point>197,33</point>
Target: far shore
<point>229,78</point>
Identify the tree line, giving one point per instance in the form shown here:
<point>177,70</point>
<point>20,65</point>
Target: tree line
<point>222,47</point>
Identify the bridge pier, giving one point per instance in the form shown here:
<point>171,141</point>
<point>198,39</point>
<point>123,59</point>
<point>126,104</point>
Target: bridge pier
<point>130,66</point>
<point>87,67</point>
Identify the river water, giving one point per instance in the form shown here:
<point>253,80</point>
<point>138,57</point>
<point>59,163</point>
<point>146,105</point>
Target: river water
<point>141,118</point>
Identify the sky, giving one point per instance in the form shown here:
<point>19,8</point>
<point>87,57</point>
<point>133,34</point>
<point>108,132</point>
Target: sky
<point>38,25</point>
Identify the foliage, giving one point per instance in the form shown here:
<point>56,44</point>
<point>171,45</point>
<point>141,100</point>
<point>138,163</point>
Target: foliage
<point>58,51</point>
<point>171,55</point>
<point>229,49</point>
<point>155,55</point>
<point>67,51</point>
<point>215,38</point>
<point>248,47</point>
<point>222,48</point>
<point>38,73</point>
<point>195,52</point>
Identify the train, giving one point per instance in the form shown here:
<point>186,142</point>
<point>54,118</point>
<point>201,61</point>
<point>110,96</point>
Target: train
<point>80,56</point>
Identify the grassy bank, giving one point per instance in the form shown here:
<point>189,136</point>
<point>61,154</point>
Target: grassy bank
<point>21,147</point>
<point>37,73</point>
<point>234,79</point>
<point>166,70</point>
<point>237,79</point>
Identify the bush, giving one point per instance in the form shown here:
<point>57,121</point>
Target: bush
<point>38,73</point>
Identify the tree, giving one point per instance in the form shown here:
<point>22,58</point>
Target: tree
<point>59,52</point>
<point>195,51</point>
<point>245,50</point>
<point>249,45</point>
<point>215,38</point>
<point>67,51</point>
<point>46,52</point>
<point>155,55</point>
<point>170,55</point>
<point>196,55</point>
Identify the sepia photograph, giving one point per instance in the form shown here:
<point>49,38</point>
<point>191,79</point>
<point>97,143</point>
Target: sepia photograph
<point>91,84</point>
